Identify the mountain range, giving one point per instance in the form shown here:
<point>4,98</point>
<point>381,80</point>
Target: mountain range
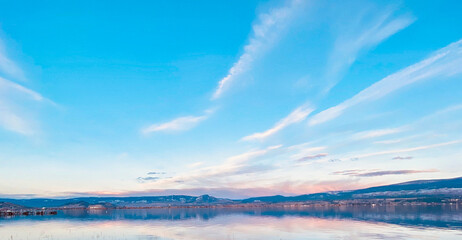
<point>436,190</point>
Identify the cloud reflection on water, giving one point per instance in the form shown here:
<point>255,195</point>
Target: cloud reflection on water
<point>410,222</point>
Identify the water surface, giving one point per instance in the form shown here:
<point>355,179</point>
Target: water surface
<point>411,222</point>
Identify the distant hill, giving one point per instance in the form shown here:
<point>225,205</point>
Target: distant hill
<point>424,190</point>
<point>149,201</point>
<point>78,204</point>
<point>429,189</point>
<point>5,206</point>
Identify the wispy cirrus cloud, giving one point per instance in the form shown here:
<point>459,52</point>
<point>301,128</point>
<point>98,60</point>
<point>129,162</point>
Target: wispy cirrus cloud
<point>252,154</point>
<point>365,33</point>
<point>405,150</point>
<point>376,133</point>
<point>12,121</point>
<point>264,34</point>
<point>8,66</point>
<point>7,85</point>
<point>195,164</point>
<point>300,151</point>
<point>442,63</point>
<point>402,158</point>
<point>377,173</point>
<point>367,30</point>
<point>295,116</point>
<point>178,124</point>
<point>390,141</point>
<point>12,114</point>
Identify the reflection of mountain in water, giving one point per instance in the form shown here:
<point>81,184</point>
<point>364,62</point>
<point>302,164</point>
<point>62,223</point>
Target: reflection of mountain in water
<point>449,216</point>
<point>424,216</point>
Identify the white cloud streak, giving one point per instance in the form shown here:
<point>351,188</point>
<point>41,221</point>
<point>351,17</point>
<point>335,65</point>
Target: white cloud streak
<point>6,85</point>
<point>241,158</point>
<point>178,124</point>
<point>265,32</point>
<point>376,133</point>
<point>11,117</point>
<point>11,121</point>
<point>405,150</point>
<point>302,151</point>
<point>351,42</point>
<point>444,62</point>
<point>377,173</point>
<point>391,141</point>
<point>295,116</point>
<point>8,66</point>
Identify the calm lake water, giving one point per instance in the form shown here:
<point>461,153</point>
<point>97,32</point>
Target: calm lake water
<point>438,222</point>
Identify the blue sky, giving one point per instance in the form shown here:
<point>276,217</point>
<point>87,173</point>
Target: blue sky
<point>233,99</point>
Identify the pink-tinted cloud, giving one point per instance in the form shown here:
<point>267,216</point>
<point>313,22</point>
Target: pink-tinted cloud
<point>376,173</point>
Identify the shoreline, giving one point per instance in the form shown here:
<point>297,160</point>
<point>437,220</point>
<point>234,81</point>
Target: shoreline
<point>27,212</point>
<point>54,210</point>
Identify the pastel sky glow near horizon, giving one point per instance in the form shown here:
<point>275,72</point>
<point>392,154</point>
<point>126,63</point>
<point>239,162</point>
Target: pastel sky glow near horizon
<point>233,99</point>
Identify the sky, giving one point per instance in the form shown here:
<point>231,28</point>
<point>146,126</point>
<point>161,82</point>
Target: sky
<point>229,98</point>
